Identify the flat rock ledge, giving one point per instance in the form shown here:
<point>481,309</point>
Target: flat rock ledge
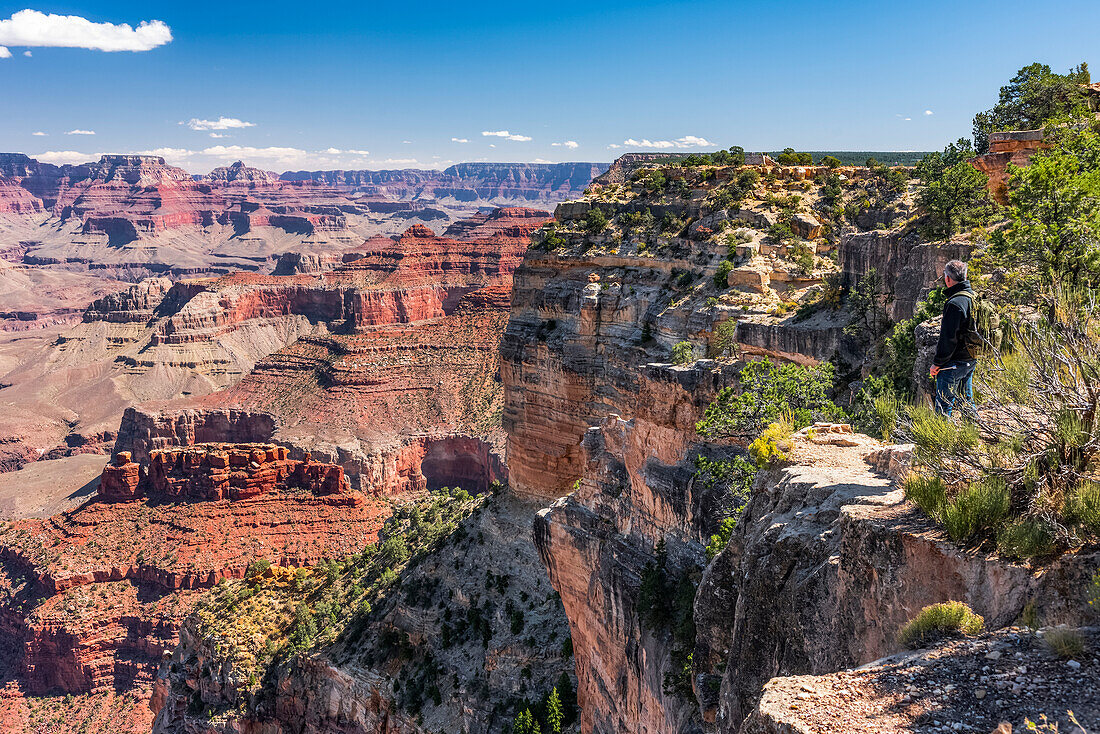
<point>989,683</point>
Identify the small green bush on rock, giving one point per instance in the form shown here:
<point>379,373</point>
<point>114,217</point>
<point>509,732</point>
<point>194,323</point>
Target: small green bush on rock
<point>1083,506</point>
<point>981,506</point>
<point>1027,538</point>
<point>939,620</point>
<point>928,493</point>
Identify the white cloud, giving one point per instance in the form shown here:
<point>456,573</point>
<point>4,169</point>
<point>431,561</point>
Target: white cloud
<point>928,112</point>
<point>492,145</point>
<point>33,28</point>
<point>541,160</point>
<point>39,134</point>
<point>506,135</point>
<point>571,144</point>
<point>688,141</point>
<point>28,54</point>
<point>218,135</point>
<point>222,123</point>
<point>78,131</point>
<point>406,142</point>
<point>61,157</point>
<point>281,158</point>
<point>614,145</point>
<point>5,53</point>
<point>908,119</point>
<point>337,151</point>
<point>460,140</point>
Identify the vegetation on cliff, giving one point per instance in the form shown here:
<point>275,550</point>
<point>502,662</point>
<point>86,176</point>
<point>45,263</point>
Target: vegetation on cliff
<point>1036,97</point>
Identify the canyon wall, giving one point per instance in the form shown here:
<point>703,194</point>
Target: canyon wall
<point>826,563</point>
<point>401,387</point>
<point>95,596</point>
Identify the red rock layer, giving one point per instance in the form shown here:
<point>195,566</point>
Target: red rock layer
<point>403,391</point>
<point>95,596</point>
<point>131,197</point>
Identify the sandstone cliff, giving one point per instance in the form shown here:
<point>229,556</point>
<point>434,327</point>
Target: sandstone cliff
<point>828,561</point>
<point>95,596</point>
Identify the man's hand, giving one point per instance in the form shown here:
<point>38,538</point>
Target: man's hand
<point>934,371</point>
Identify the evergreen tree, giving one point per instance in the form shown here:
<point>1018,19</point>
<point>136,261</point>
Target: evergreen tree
<point>555,717</point>
<point>568,698</point>
<point>523,723</point>
<point>1033,98</point>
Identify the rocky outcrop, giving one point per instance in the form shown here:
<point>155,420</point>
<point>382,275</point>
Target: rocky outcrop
<point>218,471</point>
<point>827,564</point>
<point>909,266</point>
<point>1015,147</point>
<point>96,596</point>
<point>993,683</point>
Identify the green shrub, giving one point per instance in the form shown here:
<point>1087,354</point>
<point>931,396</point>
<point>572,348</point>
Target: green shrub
<point>773,445</point>
<point>719,540</point>
<point>939,620</point>
<point>928,493</point>
<point>1092,593</point>
<point>802,256</point>
<point>830,161</point>
<point>1027,538</point>
<point>683,352</point>
<point>1083,506</point>
<point>721,274</point>
<point>1065,642</point>
<point>769,391</point>
<point>595,221</point>
<point>723,340</point>
<point>256,568</point>
<point>936,435</point>
<point>979,507</point>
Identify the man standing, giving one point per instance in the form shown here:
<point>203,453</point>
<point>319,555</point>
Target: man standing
<point>953,365</point>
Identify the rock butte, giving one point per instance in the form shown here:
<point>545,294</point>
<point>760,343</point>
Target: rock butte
<point>135,559</point>
<point>340,319</point>
<point>400,390</point>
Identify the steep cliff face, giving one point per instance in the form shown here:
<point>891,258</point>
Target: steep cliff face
<point>95,596</point>
<point>402,386</point>
<point>600,425</point>
<point>826,563</point>
<point>469,629</point>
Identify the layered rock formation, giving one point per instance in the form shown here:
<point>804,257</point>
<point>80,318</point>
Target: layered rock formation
<point>95,596</point>
<point>401,389</point>
<point>826,563</point>
<point>1012,147</point>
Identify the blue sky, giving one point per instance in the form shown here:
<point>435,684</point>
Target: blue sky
<point>401,84</point>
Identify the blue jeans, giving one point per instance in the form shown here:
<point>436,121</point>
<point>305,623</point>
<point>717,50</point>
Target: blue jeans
<point>954,381</point>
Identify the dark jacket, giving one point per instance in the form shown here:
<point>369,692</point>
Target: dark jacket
<point>956,323</point>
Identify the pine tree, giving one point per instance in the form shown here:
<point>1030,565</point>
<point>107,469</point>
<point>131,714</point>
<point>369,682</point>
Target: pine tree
<point>568,698</point>
<point>524,723</point>
<point>554,715</point>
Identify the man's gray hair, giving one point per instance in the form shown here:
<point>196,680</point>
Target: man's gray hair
<point>955,270</point>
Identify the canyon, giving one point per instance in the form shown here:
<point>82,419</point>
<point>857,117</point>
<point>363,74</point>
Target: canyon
<point>420,482</point>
